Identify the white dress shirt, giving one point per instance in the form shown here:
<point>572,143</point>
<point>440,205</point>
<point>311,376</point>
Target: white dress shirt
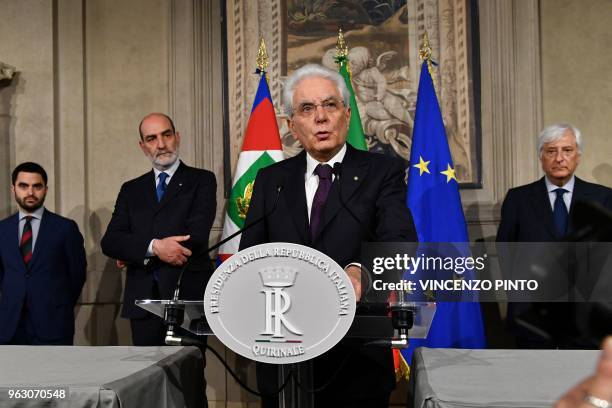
<point>34,222</point>
<point>311,180</point>
<point>170,172</point>
<point>567,197</point>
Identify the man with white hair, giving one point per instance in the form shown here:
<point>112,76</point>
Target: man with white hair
<point>540,211</point>
<point>309,211</point>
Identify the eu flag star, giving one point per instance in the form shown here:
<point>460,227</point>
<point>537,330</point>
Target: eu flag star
<point>449,173</point>
<point>422,166</point>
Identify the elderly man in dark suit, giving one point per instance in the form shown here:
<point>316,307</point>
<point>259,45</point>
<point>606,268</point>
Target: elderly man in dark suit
<point>541,212</point>
<point>160,219</point>
<point>42,266</point>
<point>310,212</point>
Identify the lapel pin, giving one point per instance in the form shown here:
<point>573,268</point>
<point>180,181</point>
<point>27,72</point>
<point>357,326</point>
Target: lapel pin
<point>355,178</point>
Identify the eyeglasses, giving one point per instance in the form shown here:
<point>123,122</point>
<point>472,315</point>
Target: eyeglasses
<point>308,109</point>
<point>566,152</point>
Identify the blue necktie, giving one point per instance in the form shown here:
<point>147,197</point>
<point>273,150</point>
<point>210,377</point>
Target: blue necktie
<point>560,212</point>
<point>161,186</point>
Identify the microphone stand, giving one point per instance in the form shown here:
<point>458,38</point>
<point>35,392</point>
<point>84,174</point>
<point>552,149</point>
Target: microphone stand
<point>174,312</point>
<point>402,316</point>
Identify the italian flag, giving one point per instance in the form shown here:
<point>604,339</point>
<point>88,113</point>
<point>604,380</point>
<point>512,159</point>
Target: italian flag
<point>355,136</point>
<point>260,148</point>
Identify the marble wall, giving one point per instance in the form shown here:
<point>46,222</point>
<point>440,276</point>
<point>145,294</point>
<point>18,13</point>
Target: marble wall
<point>89,70</point>
<point>577,77</point>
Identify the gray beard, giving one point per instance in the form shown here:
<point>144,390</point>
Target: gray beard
<point>162,167</point>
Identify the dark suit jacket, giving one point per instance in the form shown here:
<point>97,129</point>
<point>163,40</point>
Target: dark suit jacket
<point>527,216</point>
<point>187,207</point>
<point>51,283</point>
<point>373,187</point>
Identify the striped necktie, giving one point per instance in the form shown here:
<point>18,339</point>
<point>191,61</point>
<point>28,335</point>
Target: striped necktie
<point>25,245</point>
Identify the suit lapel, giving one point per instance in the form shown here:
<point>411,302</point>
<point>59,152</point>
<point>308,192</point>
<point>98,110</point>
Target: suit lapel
<point>580,193</point>
<point>14,240</point>
<point>541,204</point>
<point>295,196</point>
<point>175,186</point>
<point>354,169</point>
<point>148,192</point>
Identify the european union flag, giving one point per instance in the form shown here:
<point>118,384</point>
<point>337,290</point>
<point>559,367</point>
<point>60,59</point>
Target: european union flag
<point>434,200</point>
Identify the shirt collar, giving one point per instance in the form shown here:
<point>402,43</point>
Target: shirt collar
<point>36,214</point>
<point>170,172</point>
<point>312,163</point>
<point>569,186</point>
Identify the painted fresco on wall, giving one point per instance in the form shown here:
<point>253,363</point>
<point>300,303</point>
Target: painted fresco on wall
<point>383,37</point>
<point>376,33</point>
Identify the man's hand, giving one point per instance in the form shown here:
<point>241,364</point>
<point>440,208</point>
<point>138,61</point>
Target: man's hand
<point>354,273</point>
<point>170,250</point>
<point>598,387</point>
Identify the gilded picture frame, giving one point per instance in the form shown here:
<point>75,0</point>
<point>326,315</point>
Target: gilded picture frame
<point>383,39</point>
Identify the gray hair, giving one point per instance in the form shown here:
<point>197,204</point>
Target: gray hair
<point>554,132</point>
<point>309,71</point>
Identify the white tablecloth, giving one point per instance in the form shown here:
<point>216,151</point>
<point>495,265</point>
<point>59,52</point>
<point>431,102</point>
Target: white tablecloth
<point>444,378</point>
<point>105,376</point>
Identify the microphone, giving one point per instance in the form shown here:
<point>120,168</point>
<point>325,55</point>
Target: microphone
<point>173,312</point>
<point>337,170</point>
<point>402,317</point>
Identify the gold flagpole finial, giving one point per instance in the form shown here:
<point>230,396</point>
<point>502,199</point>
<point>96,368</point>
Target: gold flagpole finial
<point>425,53</point>
<point>425,49</point>
<point>342,53</point>
<point>262,57</point>
<point>341,48</point>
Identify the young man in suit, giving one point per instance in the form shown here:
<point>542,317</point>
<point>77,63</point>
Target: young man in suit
<point>42,266</point>
<point>310,212</point>
<point>541,212</point>
<point>160,220</point>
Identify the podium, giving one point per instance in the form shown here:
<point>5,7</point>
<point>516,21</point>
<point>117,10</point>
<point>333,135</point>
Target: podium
<point>372,323</point>
<point>285,304</point>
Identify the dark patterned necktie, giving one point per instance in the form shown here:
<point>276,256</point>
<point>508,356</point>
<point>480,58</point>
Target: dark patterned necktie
<point>324,171</point>
<point>25,245</point>
<point>560,212</point>
<point>161,186</point>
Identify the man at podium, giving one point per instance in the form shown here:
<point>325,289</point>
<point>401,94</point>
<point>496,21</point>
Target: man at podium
<point>313,192</point>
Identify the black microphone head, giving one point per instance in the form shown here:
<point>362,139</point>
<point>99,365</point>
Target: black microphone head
<point>338,169</point>
<point>280,184</point>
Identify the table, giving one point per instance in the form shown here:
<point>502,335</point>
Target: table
<point>444,378</point>
<point>105,376</point>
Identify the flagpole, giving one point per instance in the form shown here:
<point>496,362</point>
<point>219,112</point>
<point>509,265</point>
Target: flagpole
<point>342,53</point>
<point>261,147</point>
<point>355,135</point>
<point>262,58</point>
<point>425,54</point>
